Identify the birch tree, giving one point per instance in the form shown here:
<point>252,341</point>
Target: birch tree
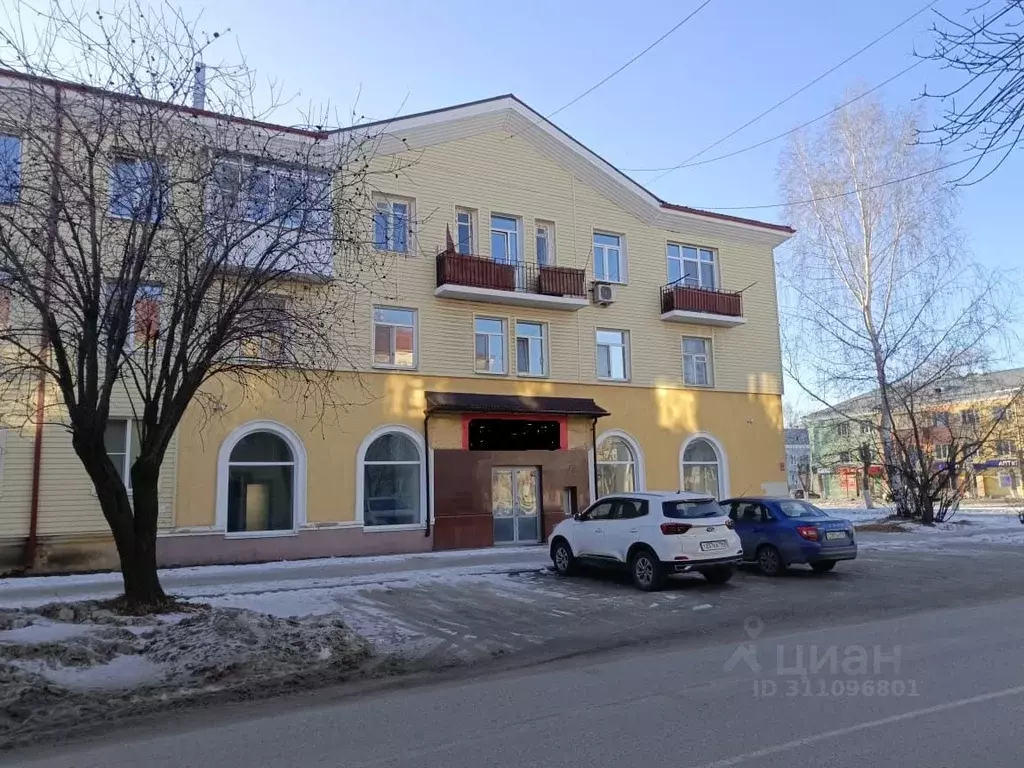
<point>878,291</point>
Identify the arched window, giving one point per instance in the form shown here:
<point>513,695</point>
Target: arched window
<point>616,466</point>
<point>393,480</point>
<point>261,488</point>
<point>702,468</point>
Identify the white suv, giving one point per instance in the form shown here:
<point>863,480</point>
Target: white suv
<point>655,534</point>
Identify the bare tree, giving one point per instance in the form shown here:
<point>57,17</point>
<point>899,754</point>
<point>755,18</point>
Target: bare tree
<point>985,106</point>
<point>878,292</point>
<point>167,246</point>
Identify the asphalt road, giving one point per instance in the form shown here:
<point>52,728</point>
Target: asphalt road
<point>943,688</point>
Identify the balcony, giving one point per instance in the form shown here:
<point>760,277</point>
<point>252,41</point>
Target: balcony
<point>472,278</point>
<point>701,306</point>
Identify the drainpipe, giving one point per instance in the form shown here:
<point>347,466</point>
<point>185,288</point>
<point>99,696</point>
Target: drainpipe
<point>28,557</point>
<point>593,443</point>
<point>426,462</point>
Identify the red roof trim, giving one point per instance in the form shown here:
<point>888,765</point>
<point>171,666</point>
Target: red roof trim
<point>92,89</point>
<point>726,217</point>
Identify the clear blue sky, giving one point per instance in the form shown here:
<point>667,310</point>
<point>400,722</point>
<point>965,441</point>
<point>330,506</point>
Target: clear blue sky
<point>734,59</point>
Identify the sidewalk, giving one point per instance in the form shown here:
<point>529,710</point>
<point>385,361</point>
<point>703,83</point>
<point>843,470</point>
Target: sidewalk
<point>277,576</point>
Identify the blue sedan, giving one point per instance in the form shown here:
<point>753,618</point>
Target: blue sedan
<point>777,533</point>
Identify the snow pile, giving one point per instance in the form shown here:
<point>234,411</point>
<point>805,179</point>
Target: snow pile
<point>66,664</point>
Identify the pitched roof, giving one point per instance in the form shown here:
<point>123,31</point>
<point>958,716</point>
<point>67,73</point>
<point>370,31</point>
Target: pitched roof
<point>960,388</point>
<point>534,119</point>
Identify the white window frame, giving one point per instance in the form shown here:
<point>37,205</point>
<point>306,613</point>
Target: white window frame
<point>157,168</point>
<point>490,338</point>
<point>639,471</point>
<point>942,452</point>
<point>421,447</point>
<point>627,368</point>
<point>708,360</point>
<point>394,346</point>
<point>245,171</point>
<point>125,458</point>
<point>298,479</point>
<point>604,249</point>
<point>723,461</point>
<point>511,236</point>
<point>465,217</point>
<point>548,228</point>
<point>681,259</point>
<point>387,205</point>
<point>532,341</point>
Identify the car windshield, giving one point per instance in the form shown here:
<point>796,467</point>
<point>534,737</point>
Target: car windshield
<point>800,509</point>
<point>685,510</point>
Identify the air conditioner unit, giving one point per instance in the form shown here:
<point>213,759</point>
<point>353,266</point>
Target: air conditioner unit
<point>604,294</point>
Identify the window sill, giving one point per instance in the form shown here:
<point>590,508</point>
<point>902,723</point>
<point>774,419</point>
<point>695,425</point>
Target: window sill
<point>389,252</point>
<point>260,534</point>
<point>386,367</point>
<point>491,373</point>
<point>389,528</point>
<point>698,386</point>
<point>606,380</point>
<point>533,375</point>
<point>610,282</point>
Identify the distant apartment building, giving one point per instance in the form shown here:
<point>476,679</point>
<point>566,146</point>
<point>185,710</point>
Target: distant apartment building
<point>553,331</point>
<point>982,409</point>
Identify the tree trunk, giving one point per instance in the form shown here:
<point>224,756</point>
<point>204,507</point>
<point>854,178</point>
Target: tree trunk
<point>141,583</point>
<point>133,526</point>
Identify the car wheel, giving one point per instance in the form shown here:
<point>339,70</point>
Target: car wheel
<point>563,558</point>
<point>719,574</point>
<point>769,561</point>
<point>823,566</point>
<point>647,571</point>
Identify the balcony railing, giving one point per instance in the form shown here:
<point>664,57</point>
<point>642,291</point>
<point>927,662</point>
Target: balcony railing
<point>678,301</point>
<point>525,284</point>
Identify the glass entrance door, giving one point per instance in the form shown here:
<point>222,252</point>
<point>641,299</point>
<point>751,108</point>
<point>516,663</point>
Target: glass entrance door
<point>515,503</point>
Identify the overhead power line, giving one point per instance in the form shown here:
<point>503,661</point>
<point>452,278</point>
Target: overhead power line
<point>879,185</point>
<point>632,61</point>
<point>798,91</point>
<point>782,135</point>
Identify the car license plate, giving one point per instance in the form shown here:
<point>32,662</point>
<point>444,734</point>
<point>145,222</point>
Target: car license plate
<point>833,535</point>
<point>709,545</point>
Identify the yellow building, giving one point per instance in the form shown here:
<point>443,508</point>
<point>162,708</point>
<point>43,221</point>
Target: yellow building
<point>552,331</point>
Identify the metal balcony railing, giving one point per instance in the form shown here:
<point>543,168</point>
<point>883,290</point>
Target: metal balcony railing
<point>690,298</point>
<point>476,272</point>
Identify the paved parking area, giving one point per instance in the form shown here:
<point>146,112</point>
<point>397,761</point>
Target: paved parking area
<point>435,618</point>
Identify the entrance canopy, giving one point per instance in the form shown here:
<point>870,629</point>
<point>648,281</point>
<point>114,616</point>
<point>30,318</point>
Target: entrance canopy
<point>466,402</point>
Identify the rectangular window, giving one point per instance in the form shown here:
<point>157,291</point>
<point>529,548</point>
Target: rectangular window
<point>545,243</point>
<point>969,418</point>
<point>690,265</point>
<point>260,193</point>
<point>843,429</point>
<point>998,413</point>
<point>531,356</point>
<point>865,429</point>
<point>10,168</point>
<point>1006,447</point>
<point>490,345</point>
<point>391,226</point>
<point>146,315</point>
<point>138,190</point>
<point>394,337</point>
<point>942,452</point>
<point>465,242</point>
<point>697,367</point>
<point>608,258</point>
<point>613,355</point>
<point>940,419</point>
<point>123,444</point>
<point>505,239</point>
<point>268,322</point>
<point>844,457</point>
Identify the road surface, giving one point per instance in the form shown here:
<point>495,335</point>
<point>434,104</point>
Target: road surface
<point>953,687</point>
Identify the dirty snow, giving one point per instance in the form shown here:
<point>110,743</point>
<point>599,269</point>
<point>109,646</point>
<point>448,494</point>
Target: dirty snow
<point>45,631</point>
<point>121,672</point>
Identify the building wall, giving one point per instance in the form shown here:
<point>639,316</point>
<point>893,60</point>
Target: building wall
<point>509,176</point>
